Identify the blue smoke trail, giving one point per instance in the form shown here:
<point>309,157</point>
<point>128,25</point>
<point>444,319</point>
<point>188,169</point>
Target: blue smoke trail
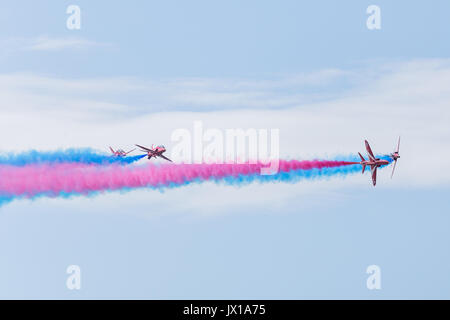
<point>84,155</point>
<point>5,200</point>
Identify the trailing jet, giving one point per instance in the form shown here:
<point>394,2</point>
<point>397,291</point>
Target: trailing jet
<point>154,152</point>
<point>120,152</point>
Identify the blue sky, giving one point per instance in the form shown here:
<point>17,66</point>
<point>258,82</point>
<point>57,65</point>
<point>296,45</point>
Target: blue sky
<point>136,71</point>
<point>204,38</point>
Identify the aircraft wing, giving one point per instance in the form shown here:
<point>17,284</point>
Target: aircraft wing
<point>398,144</point>
<point>144,148</point>
<point>130,151</point>
<point>112,150</point>
<point>164,157</point>
<point>393,168</point>
<point>374,175</point>
<point>369,151</point>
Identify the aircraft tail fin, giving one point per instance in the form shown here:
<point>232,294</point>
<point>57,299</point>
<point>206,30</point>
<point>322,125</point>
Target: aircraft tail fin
<point>362,158</point>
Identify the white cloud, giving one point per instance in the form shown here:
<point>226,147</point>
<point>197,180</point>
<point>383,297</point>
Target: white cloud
<point>135,96</point>
<point>46,43</point>
<point>410,99</point>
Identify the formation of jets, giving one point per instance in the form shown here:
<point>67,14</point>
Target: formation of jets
<point>373,162</point>
<point>154,152</point>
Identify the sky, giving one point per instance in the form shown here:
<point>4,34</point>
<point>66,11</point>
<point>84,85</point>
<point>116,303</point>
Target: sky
<point>136,71</point>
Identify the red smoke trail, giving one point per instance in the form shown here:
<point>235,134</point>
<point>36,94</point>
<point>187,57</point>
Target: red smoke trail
<point>54,179</point>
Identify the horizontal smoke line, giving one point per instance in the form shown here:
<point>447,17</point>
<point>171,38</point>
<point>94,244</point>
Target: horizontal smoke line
<point>82,155</point>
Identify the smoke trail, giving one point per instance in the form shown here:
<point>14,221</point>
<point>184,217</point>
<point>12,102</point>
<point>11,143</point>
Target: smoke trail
<point>84,155</point>
<point>76,178</point>
<point>5,200</point>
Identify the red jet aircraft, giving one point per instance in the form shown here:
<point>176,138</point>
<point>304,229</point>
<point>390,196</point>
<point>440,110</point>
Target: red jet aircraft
<point>373,162</point>
<point>120,152</point>
<point>154,152</point>
<point>395,156</point>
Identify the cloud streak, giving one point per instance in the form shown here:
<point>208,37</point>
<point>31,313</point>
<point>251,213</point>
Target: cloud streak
<point>46,43</point>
